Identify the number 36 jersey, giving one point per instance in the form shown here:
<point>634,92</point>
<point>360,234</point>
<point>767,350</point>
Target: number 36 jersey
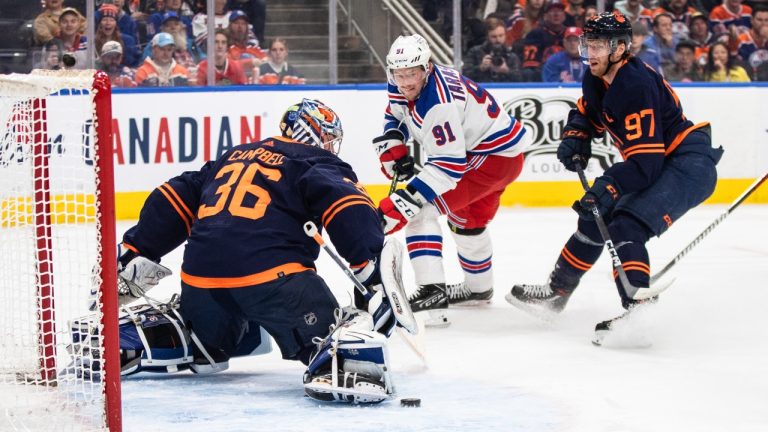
<point>458,124</point>
<point>243,215</point>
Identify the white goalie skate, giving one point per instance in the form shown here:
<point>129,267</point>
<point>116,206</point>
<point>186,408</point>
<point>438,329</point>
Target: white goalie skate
<point>351,364</point>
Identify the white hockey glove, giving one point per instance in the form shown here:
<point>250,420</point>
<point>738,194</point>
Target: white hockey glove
<point>398,209</point>
<point>137,277</point>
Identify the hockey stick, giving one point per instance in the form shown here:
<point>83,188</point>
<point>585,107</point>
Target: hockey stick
<point>311,230</point>
<point>753,187</point>
<point>393,186</point>
<point>633,292</point>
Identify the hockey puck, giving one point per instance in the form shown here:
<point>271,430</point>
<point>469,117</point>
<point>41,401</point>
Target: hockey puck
<point>69,60</point>
<point>410,402</point>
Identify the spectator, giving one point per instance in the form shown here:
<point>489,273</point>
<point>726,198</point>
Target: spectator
<point>51,55</point>
<point>256,10</point>
<point>757,37</point>
<point>187,54</point>
<point>180,8</point>
<point>701,36</point>
<point>721,66</point>
<point>227,72</point>
<point>160,69</point>
<point>642,51</point>
<point>72,41</point>
<point>244,48</point>
<point>200,21</point>
<point>589,12</point>
<point>635,11</point>
<point>111,62</point>
<point>493,61</point>
<point>276,70</point>
<point>46,24</point>
<point>730,17</point>
<point>108,30</point>
<point>575,11</point>
<point>567,65</point>
<point>681,13</point>
<point>523,20</point>
<point>125,22</point>
<point>663,39</point>
<point>543,41</point>
<point>685,68</point>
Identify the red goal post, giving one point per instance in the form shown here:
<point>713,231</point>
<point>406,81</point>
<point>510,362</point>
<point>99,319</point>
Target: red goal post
<point>59,361</point>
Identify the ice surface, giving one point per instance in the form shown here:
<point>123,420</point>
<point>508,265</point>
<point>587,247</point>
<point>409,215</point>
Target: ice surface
<point>498,369</point>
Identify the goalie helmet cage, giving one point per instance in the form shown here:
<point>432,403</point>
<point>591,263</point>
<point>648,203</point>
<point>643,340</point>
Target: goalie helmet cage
<point>59,361</point>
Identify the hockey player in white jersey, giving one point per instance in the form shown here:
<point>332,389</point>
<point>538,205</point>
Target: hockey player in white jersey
<point>473,150</point>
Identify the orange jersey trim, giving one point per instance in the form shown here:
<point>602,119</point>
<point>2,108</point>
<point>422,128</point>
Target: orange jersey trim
<point>643,148</point>
<point>244,281</point>
<point>572,260</point>
<point>176,207</point>
<point>131,248</point>
<point>180,201</point>
<point>681,136</point>
<point>343,203</point>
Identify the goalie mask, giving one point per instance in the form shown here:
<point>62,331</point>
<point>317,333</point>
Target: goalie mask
<point>314,123</point>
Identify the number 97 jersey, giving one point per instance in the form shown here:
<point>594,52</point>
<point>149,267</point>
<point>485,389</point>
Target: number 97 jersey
<point>458,123</point>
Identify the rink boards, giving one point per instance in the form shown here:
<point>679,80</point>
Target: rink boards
<point>159,134</point>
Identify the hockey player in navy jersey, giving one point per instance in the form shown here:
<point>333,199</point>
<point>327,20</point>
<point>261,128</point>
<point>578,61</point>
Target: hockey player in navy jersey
<point>668,168</point>
<point>473,150</point>
<point>248,262</point>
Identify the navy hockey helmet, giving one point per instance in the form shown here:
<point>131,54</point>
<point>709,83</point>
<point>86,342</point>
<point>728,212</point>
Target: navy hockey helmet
<point>611,26</point>
<point>314,123</point>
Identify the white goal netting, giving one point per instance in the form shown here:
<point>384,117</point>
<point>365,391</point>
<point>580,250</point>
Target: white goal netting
<point>51,376</point>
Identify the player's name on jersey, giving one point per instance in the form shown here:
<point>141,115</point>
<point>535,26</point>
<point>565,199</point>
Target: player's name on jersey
<point>260,153</point>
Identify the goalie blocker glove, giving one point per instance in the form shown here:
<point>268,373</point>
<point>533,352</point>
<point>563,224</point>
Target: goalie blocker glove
<point>393,155</point>
<point>398,209</point>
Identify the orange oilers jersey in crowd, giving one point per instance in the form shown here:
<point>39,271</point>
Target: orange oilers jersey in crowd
<point>643,116</point>
<point>242,216</point>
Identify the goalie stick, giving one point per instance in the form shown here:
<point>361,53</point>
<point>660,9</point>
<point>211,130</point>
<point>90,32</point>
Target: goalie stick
<point>753,187</point>
<point>400,307</point>
<point>633,292</point>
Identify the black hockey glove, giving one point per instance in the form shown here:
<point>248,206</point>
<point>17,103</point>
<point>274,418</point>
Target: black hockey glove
<point>603,194</point>
<point>574,143</point>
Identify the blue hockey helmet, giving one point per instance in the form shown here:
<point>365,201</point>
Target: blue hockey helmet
<point>314,123</point>
<point>611,26</point>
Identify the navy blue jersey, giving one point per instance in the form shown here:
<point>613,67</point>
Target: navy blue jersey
<point>243,215</point>
<point>644,117</point>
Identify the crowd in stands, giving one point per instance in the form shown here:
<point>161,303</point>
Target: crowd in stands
<point>159,43</point>
<point>684,40</point>
<point>163,42</point>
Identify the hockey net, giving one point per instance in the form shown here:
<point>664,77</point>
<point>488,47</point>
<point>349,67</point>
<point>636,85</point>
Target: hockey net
<point>57,251</point>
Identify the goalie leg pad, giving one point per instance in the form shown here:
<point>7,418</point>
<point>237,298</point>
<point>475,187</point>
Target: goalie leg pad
<point>351,364</point>
<point>391,270</point>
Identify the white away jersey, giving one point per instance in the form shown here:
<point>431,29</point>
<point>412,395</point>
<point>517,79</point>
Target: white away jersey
<point>458,124</point>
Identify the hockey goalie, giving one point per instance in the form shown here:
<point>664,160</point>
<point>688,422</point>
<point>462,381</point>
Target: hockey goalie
<point>249,269</point>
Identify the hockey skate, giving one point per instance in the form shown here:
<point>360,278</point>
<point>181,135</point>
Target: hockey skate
<point>432,298</point>
<point>542,301</point>
<point>459,294</point>
<point>630,329</point>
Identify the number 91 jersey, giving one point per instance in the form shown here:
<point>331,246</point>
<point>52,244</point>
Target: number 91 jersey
<point>458,123</point>
<point>243,215</point>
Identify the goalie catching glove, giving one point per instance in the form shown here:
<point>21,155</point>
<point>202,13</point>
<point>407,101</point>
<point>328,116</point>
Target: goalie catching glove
<point>398,209</point>
<point>136,275</point>
<point>393,155</point>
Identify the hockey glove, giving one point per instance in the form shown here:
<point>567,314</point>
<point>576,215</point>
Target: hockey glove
<point>574,143</point>
<point>397,209</point>
<point>393,155</point>
<point>136,275</point>
<point>603,194</point>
